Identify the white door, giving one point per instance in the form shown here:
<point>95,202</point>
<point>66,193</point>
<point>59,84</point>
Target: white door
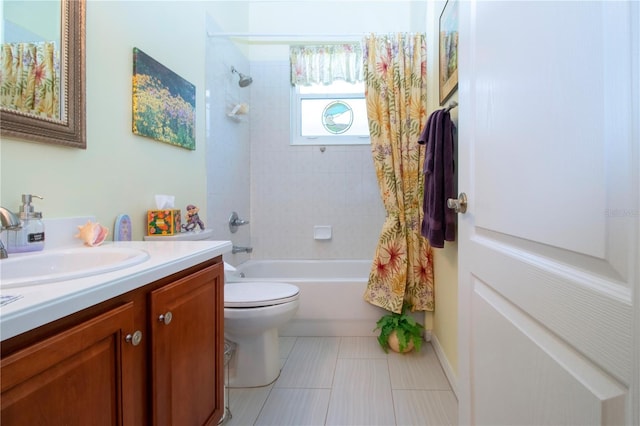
<point>549,246</point>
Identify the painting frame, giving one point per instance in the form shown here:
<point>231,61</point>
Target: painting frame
<point>448,50</point>
<point>163,103</point>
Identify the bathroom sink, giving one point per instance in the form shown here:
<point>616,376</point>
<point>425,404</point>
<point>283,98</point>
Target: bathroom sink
<point>66,264</point>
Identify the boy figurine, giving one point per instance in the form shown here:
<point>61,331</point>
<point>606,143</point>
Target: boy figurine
<point>193,219</point>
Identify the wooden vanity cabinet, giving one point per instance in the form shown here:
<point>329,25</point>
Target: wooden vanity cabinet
<point>77,377</point>
<point>187,356</point>
<point>90,369</point>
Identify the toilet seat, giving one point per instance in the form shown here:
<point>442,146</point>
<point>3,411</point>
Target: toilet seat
<point>258,294</point>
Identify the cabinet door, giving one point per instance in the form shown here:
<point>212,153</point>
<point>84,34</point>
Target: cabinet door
<point>187,349</point>
<point>77,377</point>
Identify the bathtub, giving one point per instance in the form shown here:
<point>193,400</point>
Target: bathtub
<point>331,302</point>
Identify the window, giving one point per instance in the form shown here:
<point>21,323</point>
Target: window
<point>327,95</point>
<point>333,114</point>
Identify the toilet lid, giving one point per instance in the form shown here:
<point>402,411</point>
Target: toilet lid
<point>257,294</point>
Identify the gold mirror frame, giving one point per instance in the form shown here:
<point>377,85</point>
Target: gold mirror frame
<point>70,131</point>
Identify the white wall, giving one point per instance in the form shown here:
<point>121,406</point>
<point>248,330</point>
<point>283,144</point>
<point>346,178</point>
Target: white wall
<point>294,188</point>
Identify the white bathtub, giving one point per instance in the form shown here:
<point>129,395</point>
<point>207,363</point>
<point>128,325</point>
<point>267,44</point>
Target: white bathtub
<point>331,302</point>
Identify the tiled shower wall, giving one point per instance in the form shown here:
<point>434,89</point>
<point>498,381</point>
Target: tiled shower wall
<point>228,147</point>
<point>294,188</point>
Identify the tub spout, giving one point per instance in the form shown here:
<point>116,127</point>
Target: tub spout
<point>238,249</point>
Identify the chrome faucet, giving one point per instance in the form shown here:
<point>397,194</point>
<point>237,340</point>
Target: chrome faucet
<point>238,249</point>
<point>235,221</point>
<point>8,221</point>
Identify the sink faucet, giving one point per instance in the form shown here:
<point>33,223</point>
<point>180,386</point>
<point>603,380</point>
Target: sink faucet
<point>8,221</point>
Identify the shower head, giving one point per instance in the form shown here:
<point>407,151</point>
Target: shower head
<point>245,80</point>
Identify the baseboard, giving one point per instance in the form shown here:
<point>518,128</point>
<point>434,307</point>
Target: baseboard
<point>448,371</point>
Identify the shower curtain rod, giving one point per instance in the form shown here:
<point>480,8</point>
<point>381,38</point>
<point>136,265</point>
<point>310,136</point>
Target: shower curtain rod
<point>285,35</point>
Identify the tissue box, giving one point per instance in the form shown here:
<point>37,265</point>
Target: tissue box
<point>163,222</point>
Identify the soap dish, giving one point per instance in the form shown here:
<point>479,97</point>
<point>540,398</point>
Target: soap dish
<point>322,232</point>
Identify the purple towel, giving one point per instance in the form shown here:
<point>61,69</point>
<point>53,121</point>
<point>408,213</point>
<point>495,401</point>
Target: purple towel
<point>438,223</point>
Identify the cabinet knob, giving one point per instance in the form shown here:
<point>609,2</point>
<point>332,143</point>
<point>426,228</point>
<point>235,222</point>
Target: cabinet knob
<point>134,338</point>
<point>166,318</point>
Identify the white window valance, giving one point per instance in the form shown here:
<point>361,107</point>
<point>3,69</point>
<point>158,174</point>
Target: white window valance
<point>323,64</point>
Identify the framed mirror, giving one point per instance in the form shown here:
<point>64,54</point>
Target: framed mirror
<point>62,120</point>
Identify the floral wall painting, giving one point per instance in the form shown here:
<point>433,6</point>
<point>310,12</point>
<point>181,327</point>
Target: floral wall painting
<point>448,50</point>
<point>164,104</point>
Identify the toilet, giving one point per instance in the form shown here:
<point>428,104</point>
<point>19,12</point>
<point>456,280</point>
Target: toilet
<point>253,311</point>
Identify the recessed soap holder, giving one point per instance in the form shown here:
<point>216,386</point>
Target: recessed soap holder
<point>322,232</point>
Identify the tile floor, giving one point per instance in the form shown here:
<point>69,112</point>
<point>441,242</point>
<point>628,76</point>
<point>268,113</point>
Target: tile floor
<point>348,381</point>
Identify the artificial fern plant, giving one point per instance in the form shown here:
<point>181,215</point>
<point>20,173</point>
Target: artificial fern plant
<point>407,329</point>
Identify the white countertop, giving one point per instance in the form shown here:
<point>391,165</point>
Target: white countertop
<point>43,303</point>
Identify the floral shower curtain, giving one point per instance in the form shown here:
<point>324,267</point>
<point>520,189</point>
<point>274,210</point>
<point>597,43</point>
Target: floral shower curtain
<point>395,82</point>
<point>30,79</point>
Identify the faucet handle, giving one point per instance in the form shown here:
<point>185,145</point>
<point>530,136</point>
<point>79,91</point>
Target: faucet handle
<point>235,221</point>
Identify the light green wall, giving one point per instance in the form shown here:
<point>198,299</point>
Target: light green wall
<point>119,172</point>
<point>445,320</point>
<point>40,23</point>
